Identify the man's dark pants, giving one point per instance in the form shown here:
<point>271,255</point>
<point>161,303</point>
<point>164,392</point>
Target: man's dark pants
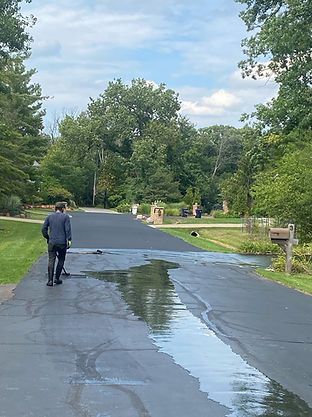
<point>53,251</point>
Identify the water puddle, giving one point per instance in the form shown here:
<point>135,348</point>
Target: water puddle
<point>222,374</point>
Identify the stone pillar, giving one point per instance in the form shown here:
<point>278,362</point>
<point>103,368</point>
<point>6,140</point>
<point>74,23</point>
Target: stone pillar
<point>134,209</point>
<point>158,215</point>
<point>195,207</point>
<point>225,207</point>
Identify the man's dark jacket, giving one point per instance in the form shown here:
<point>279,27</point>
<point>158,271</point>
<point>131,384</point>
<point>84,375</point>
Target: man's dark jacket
<point>56,228</point>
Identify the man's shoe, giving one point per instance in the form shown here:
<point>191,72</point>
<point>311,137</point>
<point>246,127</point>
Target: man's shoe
<point>58,281</point>
<point>50,283</point>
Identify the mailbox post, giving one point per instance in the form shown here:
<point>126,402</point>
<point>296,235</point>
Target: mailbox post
<point>285,238</point>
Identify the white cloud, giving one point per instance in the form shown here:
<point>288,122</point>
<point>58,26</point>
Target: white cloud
<point>193,47</point>
<point>214,105</point>
<point>79,46</point>
<point>225,106</point>
<point>221,99</point>
<point>83,31</point>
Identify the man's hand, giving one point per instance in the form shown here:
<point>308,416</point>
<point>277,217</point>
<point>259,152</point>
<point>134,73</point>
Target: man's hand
<point>69,243</point>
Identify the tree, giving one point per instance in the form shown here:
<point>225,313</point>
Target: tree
<point>162,187</point>
<point>111,177</point>
<point>13,35</point>
<point>12,175</point>
<point>128,135</point>
<point>280,47</point>
<point>236,189</point>
<point>192,196</point>
<point>122,113</point>
<point>60,168</point>
<point>20,106</point>
<point>284,191</point>
<point>20,127</point>
<point>212,156</point>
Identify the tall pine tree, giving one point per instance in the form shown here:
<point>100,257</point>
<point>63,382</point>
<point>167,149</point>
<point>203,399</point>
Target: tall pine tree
<point>21,141</point>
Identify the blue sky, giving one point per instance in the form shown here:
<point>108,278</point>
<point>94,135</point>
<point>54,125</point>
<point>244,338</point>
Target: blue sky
<point>192,47</point>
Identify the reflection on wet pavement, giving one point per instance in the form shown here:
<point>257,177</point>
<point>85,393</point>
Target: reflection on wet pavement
<point>224,375</point>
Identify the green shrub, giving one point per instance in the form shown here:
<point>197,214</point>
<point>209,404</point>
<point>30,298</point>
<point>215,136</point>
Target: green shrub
<point>259,247</point>
<point>144,208</point>
<point>298,266</point>
<point>174,209</point>
<point>301,261</point>
<point>115,200</point>
<point>124,207</point>
<point>219,214</point>
<point>191,197</point>
<point>53,193</point>
<point>11,204</point>
<point>303,252</point>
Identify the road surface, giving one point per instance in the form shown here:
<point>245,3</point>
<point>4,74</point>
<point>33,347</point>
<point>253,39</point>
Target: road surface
<point>147,325</point>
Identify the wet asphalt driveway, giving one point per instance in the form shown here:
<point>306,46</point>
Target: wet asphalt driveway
<point>152,327</point>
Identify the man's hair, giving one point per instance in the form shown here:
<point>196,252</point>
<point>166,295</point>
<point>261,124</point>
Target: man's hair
<point>60,206</point>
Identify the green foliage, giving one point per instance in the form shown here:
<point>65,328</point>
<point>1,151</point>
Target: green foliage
<point>273,174</point>
<point>285,190</point>
<point>60,167</point>
<point>131,139</point>
<point>279,263</point>
<point>132,145</point>
<point>13,35</point>
<point>11,204</point>
<point>128,109</point>
<point>20,128</point>
<point>162,186</point>
<point>110,175</point>
<point>281,31</point>
<point>20,106</point>
<point>124,207</point>
<point>144,208</point>
<point>301,261</point>
<point>212,156</point>
<point>174,209</point>
<point>52,191</point>
<point>192,196</point>
<point>259,247</point>
<point>219,214</point>
<point>237,188</point>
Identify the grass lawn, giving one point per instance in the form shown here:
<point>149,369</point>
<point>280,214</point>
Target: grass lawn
<point>20,245</point>
<point>203,220</point>
<point>37,214</point>
<point>301,282</point>
<point>41,214</point>
<point>218,239</point>
<point>199,242</point>
<point>231,237</point>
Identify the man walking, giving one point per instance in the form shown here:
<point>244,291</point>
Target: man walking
<point>57,230</point>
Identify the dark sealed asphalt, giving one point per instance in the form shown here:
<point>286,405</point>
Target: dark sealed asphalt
<point>121,232</point>
<point>79,350</point>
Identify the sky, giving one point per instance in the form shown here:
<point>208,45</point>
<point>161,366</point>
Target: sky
<point>192,46</point>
